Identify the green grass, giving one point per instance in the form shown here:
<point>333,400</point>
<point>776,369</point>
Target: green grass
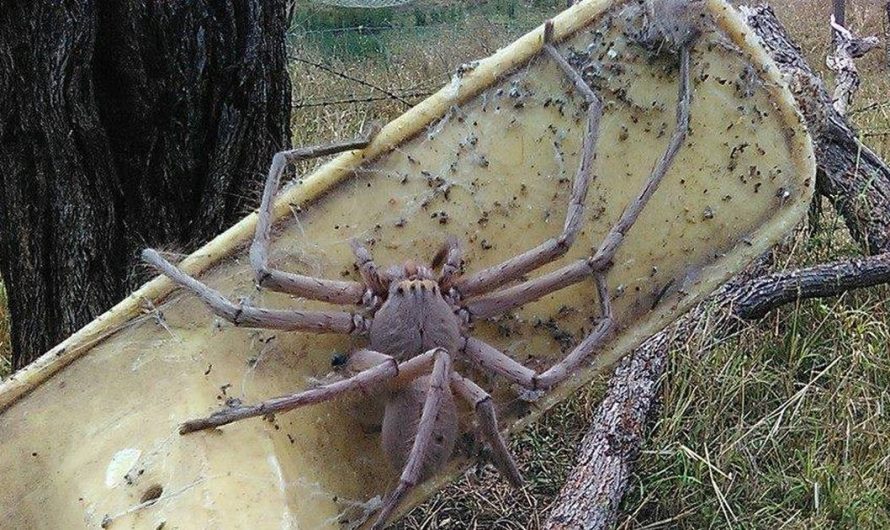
<point>785,425</point>
<point>370,34</point>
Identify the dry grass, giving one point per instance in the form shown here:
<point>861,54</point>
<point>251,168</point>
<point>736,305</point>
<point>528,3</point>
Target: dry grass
<point>412,59</point>
<point>806,20</point>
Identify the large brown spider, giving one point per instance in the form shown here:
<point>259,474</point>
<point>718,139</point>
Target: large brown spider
<point>416,321</point>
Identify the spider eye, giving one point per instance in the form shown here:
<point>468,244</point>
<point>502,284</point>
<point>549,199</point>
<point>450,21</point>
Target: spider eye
<point>338,360</point>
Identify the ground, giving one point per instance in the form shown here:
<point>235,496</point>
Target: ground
<point>783,425</point>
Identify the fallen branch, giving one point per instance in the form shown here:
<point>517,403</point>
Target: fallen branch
<point>850,175</point>
<point>760,296</point>
<point>846,48</point>
<point>593,491</point>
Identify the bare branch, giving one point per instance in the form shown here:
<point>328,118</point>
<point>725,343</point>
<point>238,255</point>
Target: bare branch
<point>764,294</point>
<point>846,48</point>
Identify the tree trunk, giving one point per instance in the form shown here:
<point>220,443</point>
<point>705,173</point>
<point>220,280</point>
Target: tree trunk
<point>125,124</point>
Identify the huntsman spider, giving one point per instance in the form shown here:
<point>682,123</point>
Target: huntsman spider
<point>417,321</point>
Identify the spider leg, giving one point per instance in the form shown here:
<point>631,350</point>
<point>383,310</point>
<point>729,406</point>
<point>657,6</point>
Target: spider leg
<point>381,370</point>
<point>366,380</point>
<point>488,423</point>
<point>333,291</point>
<point>371,275</point>
<point>411,474</point>
<point>504,300</point>
<point>601,261</point>
<point>490,358</point>
<point>449,257</point>
<point>548,251</point>
<point>258,317</point>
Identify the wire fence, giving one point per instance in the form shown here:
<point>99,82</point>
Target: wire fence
<point>366,4</point>
<point>400,51</point>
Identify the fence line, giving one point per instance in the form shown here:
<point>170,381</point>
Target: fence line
<point>369,99</point>
<point>299,30</point>
<point>353,79</point>
<point>404,95</point>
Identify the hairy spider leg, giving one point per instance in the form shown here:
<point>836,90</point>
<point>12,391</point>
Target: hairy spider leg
<point>369,380</point>
<point>597,265</point>
<point>487,419</point>
<point>601,261</point>
<point>259,317</point>
<point>514,268</point>
<point>332,291</point>
<point>411,474</point>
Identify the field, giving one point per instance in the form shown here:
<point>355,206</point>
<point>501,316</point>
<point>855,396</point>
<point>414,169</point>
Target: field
<point>784,425</point>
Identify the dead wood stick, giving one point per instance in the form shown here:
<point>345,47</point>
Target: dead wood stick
<point>846,48</point>
<point>851,176</point>
<point>760,296</point>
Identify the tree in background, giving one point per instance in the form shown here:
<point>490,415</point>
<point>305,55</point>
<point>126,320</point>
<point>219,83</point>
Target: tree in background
<point>126,124</point>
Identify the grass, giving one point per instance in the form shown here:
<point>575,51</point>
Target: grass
<point>414,52</point>
<point>783,426</point>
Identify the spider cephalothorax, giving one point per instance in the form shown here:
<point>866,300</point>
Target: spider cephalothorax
<point>414,318</point>
<point>416,321</point>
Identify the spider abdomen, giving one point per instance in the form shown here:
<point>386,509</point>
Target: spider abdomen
<point>415,318</point>
<point>401,421</point>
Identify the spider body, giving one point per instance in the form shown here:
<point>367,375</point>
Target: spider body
<point>414,318</point>
<point>401,423</point>
<point>417,321</point>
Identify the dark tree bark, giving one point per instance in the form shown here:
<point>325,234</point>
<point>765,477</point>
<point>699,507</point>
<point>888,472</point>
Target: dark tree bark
<point>126,124</point>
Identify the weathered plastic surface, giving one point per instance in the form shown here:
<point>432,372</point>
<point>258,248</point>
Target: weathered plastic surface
<point>89,432</point>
